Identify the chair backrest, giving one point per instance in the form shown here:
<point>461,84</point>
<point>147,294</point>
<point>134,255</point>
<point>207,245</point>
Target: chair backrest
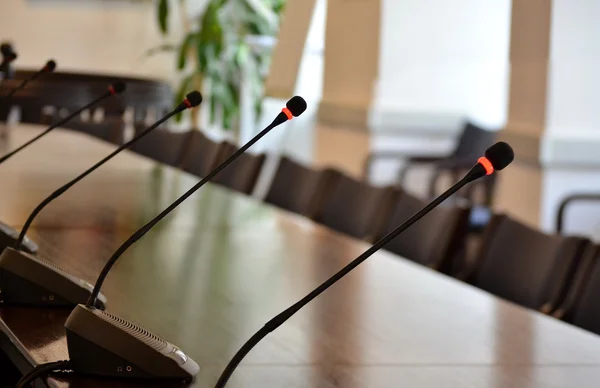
<point>525,265</point>
<point>580,306</point>
<point>63,98</point>
<point>111,130</point>
<point>299,188</point>
<point>434,240</point>
<point>354,207</point>
<point>163,146</point>
<point>241,174</point>
<point>473,142</point>
<point>69,91</point>
<point>200,154</point>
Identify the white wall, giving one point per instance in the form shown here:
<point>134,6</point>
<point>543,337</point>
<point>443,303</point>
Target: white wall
<point>86,36</point>
<point>571,139</point>
<point>441,62</point>
<point>574,80</point>
<point>441,57</point>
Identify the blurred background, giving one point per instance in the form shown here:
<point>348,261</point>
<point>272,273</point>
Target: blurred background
<point>400,92</point>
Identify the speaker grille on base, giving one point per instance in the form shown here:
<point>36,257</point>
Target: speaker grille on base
<point>136,331</point>
<point>52,265</point>
<point>99,343</point>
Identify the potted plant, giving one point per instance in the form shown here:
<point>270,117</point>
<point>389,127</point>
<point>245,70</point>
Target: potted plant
<point>216,53</point>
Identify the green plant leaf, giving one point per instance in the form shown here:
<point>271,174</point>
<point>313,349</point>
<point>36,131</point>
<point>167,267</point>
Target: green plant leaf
<point>242,56</point>
<point>256,23</point>
<point>231,105</point>
<point>163,16</point>
<point>184,50</point>
<point>209,38</point>
<point>211,29</point>
<point>223,58</point>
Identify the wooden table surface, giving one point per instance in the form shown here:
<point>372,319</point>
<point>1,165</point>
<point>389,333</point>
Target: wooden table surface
<point>223,264</point>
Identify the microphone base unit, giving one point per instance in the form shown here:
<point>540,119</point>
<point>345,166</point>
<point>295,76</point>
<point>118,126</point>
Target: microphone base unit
<point>9,236</point>
<point>104,345</point>
<point>27,280</point>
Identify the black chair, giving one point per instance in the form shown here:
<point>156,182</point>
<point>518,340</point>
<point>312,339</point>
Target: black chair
<point>560,215</point>
<point>163,146</point>
<point>241,174</point>
<point>580,307</point>
<point>66,92</point>
<point>435,240</point>
<point>354,207</point>
<point>526,266</point>
<point>34,101</point>
<point>298,188</point>
<point>471,145</point>
<point>200,154</point>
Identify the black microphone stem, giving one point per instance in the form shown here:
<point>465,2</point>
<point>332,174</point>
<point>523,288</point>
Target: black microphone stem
<point>4,99</point>
<point>68,185</point>
<point>61,122</point>
<point>5,76</point>
<point>290,311</point>
<point>281,118</point>
<point>22,85</point>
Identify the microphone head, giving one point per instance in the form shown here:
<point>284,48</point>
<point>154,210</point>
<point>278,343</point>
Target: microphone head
<point>296,105</point>
<point>500,155</point>
<point>193,99</point>
<point>6,49</point>
<point>50,66</point>
<point>117,88</point>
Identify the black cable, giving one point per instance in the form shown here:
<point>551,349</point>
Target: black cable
<point>43,369</point>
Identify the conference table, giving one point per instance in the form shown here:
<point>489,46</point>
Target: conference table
<point>220,266</point>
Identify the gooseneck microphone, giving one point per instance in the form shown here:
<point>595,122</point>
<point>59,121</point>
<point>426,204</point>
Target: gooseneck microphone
<point>29,280</point>
<point>9,235</point>
<point>49,67</point>
<point>496,157</point>
<point>102,344</point>
<point>6,49</point>
<point>294,108</point>
<point>8,56</point>
<point>113,90</point>
<point>192,99</point>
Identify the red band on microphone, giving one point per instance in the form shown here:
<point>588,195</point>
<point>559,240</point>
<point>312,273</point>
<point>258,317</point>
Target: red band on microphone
<point>111,90</point>
<point>489,169</point>
<point>288,113</point>
<point>187,103</point>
